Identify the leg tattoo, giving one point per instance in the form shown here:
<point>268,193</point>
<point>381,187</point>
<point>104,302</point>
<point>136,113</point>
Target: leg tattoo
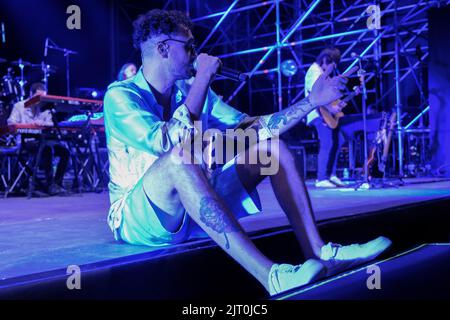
<point>213,216</point>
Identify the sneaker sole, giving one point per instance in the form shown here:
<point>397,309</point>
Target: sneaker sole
<point>343,266</point>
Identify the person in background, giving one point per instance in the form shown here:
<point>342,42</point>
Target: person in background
<point>332,140</point>
<point>34,116</point>
<point>329,138</point>
<point>127,71</point>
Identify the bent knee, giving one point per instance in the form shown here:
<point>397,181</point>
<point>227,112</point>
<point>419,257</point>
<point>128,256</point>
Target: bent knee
<point>173,165</point>
<point>182,155</point>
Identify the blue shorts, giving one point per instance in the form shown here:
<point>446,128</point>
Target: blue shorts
<point>140,223</point>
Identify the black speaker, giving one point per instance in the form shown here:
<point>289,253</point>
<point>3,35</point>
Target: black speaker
<point>439,88</point>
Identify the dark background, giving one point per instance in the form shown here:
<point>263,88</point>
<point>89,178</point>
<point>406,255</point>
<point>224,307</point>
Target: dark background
<point>104,44</point>
<point>28,23</point>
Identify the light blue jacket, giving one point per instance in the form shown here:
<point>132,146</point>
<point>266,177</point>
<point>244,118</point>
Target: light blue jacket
<point>137,134</point>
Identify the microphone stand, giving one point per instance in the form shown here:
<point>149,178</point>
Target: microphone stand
<point>3,33</point>
<point>289,90</point>
<point>274,90</point>
<point>361,73</point>
<point>365,183</point>
<point>46,73</point>
<point>67,53</point>
<point>22,81</point>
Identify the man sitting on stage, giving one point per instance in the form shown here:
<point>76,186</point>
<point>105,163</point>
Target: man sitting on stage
<point>332,140</point>
<point>34,116</point>
<point>156,199</point>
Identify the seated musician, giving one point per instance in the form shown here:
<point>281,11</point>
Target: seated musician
<point>34,116</point>
<point>332,140</point>
<point>157,197</point>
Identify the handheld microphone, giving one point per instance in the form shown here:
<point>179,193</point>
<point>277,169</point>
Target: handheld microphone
<point>227,73</point>
<point>46,47</point>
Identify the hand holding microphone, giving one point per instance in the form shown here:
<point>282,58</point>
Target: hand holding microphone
<point>204,64</point>
<point>207,68</point>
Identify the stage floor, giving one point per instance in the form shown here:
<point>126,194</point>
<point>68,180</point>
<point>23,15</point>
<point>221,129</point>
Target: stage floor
<point>402,277</point>
<point>38,235</point>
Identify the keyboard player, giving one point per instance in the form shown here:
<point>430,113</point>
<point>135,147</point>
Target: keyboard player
<point>34,116</point>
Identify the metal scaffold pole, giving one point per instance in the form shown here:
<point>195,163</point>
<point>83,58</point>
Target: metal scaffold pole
<point>397,95</point>
<point>280,84</point>
<point>299,30</point>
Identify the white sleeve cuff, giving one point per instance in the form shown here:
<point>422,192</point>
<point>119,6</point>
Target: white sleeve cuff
<point>264,132</point>
<point>182,114</point>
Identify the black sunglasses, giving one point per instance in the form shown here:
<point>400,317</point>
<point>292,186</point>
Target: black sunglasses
<point>189,45</point>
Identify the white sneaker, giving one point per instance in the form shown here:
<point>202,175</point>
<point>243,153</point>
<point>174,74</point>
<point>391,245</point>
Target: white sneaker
<point>324,184</point>
<point>283,277</point>
<point>338,182</point>
<point>338,258</point>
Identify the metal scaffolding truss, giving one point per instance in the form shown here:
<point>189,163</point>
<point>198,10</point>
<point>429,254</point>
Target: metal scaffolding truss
<point>257,36</point>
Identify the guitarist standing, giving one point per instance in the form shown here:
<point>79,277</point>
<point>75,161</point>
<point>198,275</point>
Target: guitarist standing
<point>332,128</point>
<point>331,140</point>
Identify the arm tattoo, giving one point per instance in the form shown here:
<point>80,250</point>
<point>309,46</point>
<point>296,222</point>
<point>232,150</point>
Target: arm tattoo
<point>212,215</point>
<point>287,118</point>
<point>292,114</point>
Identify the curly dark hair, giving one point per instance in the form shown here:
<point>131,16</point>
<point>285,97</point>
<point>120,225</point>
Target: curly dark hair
<point>156,22</point>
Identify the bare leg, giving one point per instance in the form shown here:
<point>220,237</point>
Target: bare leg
<point>186,185</point>
<point>291,194</point>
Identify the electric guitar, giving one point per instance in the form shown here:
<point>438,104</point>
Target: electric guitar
<point>331,119</point>
<point>387,144</point>
<point>376,164</point>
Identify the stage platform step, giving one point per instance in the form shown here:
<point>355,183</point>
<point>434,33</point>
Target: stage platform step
<point>420,273</point>
<point>200,269</point>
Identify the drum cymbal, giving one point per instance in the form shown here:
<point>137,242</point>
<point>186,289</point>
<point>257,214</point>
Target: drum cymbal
<point>21,62</point>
